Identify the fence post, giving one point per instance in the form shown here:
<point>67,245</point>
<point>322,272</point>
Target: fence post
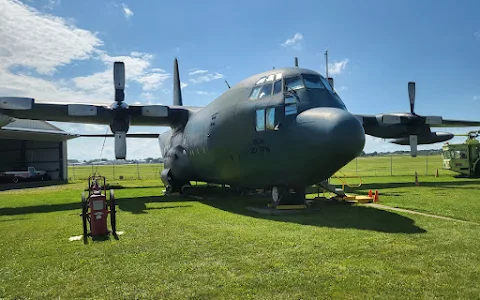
<point>138,171</point>
<point>391,165</point>
<point>426,164</point>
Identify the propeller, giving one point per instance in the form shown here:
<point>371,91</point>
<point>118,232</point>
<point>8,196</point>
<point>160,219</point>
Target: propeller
<point>416,127</point>
<point>121,118</point>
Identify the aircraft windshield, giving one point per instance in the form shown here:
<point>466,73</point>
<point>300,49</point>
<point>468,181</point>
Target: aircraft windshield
<point>327,85</point>
<point>313,81</point>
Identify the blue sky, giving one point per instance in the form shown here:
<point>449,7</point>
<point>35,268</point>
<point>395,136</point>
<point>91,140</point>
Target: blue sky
<point>59,50</point>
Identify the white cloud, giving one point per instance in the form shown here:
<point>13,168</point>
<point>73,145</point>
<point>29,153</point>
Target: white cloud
<point>183,85</point>
<point>39,41</point>
<point>37,45</point>
<point>152,81</point>
<point>337,67</point>
<point>204,76</point>
<point>295,41</point>
<point>197,72</point>
<point>52,4</point>
<point>203,93</point>
<point>127,11</point>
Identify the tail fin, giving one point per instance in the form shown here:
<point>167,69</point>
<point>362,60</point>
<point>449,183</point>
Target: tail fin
<point>177,91</point>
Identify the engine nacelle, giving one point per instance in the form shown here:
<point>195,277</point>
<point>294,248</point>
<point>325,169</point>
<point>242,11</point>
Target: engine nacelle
<point>433,137</point>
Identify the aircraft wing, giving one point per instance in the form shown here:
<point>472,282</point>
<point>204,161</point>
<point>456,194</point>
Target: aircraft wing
<point>146,115</point>
<point>457,123</point>
<point>400,118</point>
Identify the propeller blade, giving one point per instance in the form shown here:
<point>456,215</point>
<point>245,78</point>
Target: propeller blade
<point>16,103</point>
<point>411,95</point>
<point>120,145</point>
<point>413,145</point>
<point>119,80</point>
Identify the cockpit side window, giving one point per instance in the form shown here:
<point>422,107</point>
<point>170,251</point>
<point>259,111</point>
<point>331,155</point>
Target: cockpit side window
<point>255,92</point>
<point>277,87</point>
<point>261,80</point>
<point>266,91</point>
<point>313,81</point>
<point>294,83</point>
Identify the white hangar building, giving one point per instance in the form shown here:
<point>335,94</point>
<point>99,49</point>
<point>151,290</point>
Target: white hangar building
<point>39,144</point>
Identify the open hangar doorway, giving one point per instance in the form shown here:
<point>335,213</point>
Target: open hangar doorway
<point>38,144</point>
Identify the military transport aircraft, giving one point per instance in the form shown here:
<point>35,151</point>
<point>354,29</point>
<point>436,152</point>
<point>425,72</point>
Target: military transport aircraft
<point>284,130</point>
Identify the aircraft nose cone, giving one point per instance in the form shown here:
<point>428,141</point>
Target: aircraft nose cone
<point>347,136</point>
<point>335,133</point>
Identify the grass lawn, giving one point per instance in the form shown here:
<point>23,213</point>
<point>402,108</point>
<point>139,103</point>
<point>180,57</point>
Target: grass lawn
<point>177,247</point>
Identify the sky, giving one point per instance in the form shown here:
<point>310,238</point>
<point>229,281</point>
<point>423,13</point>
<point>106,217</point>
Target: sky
<point>63,51</point>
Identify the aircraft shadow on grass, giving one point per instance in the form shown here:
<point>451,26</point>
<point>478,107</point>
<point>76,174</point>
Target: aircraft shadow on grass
<point>333,215</point>
<point>340,215</point>
<point>138,207</point>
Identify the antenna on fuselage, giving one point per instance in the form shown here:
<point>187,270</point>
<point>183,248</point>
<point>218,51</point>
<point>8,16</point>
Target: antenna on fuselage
<point>296,61</point>
<point>326,63</point>
<point>329,79</point>
<point>227,84</point>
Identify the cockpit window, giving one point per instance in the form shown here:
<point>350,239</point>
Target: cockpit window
<point>277,87</point>
<point>255,92</point>
<point>313,81</point>
<point>261,80</point>
<point>294,83</point>
<point>326,84</point>
<point>266,90</point>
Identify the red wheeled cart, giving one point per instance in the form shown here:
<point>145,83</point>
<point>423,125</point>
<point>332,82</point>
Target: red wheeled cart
<point>96,207</point>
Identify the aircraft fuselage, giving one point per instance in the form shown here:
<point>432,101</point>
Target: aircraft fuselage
<point>293,138</point>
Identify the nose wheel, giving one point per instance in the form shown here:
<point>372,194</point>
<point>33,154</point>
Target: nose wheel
<point>283,195</point>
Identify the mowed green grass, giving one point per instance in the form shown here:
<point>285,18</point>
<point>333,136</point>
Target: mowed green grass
<point>178,247</point>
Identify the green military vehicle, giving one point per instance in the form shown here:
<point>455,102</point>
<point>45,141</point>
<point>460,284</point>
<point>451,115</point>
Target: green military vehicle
<point>463,158</point>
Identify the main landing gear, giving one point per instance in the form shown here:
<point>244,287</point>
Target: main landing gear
<point>282,195</point>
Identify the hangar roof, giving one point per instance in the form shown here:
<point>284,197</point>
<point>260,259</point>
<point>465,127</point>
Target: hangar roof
<point>21,129</point>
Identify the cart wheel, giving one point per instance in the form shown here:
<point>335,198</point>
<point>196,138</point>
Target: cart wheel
<point>84,217</point>
<point>113,213</point>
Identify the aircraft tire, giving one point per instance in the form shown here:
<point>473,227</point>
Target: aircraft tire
<point>277,193</point>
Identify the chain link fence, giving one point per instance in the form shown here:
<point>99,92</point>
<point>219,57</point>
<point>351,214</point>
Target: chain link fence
<point>118,172</point>
<point>388,165</point>
<point>394,165</point>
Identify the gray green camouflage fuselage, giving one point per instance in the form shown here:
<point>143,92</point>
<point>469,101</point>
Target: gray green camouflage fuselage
<point>303,144</point>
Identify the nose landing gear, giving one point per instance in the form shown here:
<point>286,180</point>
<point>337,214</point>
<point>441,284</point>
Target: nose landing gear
<point>283,195</point>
